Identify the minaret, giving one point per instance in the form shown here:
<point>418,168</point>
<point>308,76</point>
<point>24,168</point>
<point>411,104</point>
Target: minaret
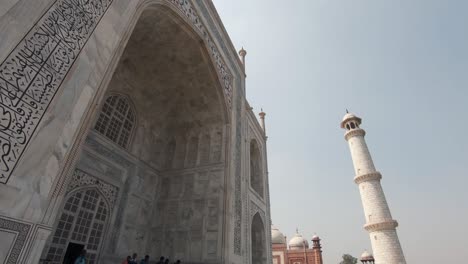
<point>317,248</point>
<point>379,222</point>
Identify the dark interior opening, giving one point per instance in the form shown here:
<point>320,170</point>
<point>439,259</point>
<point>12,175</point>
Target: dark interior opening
<point>73,252</point>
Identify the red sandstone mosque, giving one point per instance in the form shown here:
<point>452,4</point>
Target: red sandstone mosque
<point>297,250</point>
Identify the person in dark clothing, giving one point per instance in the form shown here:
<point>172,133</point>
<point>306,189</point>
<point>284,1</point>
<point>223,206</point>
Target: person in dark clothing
<point>127,260</point>
<point>161,260</point>
<point>133,260</point>
<point>167,261</point>
<point>145,260</point>
<point>82,258</point>
<point>178,261</point>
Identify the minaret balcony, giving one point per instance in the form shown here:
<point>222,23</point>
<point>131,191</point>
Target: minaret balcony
<point>354,132</point>
<point>383,225</point>
<point>368,177</point>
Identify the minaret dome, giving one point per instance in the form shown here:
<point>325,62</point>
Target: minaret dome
<point>350,121</point>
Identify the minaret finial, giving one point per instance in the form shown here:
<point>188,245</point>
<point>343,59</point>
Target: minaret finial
<point>242,54</point>
<point>347,111</point>
<point>262,120</point>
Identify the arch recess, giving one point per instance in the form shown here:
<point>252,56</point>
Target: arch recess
<point>258,241</point>
<point>256,172</point>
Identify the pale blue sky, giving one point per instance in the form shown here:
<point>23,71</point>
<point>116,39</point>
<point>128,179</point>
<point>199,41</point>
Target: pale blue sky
<point>400,65</point>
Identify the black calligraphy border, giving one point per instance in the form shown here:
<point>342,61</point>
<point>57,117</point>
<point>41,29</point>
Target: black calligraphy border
<point>58,77</point>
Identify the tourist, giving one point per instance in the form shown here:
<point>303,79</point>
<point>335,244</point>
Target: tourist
<point>161,260</point>
<point>127,260</point>
<point>167,261</point>
<point>133,260</point>
<point>145,260</point>
<point>177,262</point>
<point>81,258</point>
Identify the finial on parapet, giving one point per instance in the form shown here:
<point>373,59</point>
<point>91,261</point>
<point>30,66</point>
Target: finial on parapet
<point>347,111</point>
<point>242,54</point>
<point>262,120</point>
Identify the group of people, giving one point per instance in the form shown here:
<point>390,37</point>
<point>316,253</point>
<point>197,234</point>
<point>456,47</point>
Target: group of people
<point>134,260</point>
<point>81,259</point>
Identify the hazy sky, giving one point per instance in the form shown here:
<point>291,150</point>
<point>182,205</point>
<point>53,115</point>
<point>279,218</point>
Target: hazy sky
<point>400,65</point>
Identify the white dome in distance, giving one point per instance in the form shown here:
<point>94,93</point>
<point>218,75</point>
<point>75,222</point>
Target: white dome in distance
<point>366,255</point>
<point>298,242</point>
<point>276,236</point>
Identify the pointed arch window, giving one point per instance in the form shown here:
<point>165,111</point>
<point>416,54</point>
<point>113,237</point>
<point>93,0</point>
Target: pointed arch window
<point>83,220</point>
<point>116,120</point>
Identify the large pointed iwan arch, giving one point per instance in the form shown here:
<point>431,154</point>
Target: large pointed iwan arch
<point>182,13</point>
<point>181,90</point>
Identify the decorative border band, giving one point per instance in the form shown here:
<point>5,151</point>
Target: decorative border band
<point>226,77</point>
<point>368,177</point>
<point>81,179</point>
<point>22,231</point>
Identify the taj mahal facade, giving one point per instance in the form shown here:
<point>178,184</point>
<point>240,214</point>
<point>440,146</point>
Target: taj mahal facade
<point>125,127</point>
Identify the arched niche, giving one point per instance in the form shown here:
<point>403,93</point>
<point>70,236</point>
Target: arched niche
<point>258,241</point>
<point>82,223</point>
<point>256,174</point>
<point>117,120</point>
<point>168,73</point>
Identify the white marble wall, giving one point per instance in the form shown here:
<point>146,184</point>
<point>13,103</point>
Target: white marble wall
<point>32,196</point>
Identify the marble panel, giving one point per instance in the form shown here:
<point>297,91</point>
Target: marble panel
<point>186,215</point>
<point>164,188</point>
<point>132,210</point>
<point>144,213</point>
<point>176,187</point>
<point>88,162</point>
<point>180,245</point>
<point>132,240</point>
<point>213,214</point>
<point>171,213</point>
<point>6,243</point>
<point>188,186</point>
<point>211,244</point>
